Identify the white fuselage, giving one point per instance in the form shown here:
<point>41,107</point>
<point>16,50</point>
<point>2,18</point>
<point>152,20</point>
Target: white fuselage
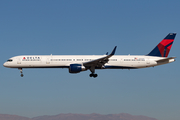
<point>64,61</point>
<point>78,63</point>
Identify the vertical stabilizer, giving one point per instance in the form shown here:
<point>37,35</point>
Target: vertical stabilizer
<point>163,48</point>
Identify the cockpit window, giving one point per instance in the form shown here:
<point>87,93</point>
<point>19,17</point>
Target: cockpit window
<point>10,60</point>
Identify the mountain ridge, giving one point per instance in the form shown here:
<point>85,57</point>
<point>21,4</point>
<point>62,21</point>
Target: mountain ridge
<point>71,116</point>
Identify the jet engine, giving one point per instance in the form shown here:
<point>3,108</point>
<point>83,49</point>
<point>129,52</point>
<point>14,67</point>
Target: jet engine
<point>76,68</point>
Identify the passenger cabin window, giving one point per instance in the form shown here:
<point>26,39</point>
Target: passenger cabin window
<point>10,60</point>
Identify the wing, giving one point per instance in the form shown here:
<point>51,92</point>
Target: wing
<point>100,61</point>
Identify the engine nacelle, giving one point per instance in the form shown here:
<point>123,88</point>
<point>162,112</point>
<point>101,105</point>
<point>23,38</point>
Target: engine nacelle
<point>76,68</point>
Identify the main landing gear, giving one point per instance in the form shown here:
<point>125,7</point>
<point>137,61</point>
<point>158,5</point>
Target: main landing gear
<point>21,72</point>
<point>92,69</point>
<point>93,75</point>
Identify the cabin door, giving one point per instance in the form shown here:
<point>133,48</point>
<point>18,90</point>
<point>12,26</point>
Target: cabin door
<point>147,61</point>
<point>48,61</point>
<point>19,61</point>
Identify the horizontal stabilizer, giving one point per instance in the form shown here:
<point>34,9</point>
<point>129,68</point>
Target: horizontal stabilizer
<point>166,60</point>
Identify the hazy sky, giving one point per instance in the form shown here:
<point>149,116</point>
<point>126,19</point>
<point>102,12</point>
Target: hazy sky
<point>91,27</point>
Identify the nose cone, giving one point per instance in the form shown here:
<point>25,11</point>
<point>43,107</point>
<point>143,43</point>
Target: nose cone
<point>5,64</point>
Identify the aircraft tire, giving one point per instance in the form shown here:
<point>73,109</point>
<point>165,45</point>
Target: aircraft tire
<point>22,75</point>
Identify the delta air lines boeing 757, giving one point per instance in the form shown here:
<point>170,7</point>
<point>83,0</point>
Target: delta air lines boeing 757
<point>79,63</point>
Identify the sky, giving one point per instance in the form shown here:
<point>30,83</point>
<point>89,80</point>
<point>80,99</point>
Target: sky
<point>89,27</point>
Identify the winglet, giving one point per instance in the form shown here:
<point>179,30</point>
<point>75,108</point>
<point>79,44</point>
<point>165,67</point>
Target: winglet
<point>113,52</point>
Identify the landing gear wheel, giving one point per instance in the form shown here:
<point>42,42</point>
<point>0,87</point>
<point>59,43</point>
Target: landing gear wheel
<point>90,75</point>
<point>22,75</point>
<point>93,75</point>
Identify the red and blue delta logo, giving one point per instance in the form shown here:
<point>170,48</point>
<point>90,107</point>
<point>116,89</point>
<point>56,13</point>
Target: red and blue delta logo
<point>31,58</point>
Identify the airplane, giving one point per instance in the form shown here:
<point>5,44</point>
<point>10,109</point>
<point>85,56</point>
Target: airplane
<point>79,63</point>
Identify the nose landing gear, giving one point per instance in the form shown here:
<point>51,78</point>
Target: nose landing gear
<point>21,72</point>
